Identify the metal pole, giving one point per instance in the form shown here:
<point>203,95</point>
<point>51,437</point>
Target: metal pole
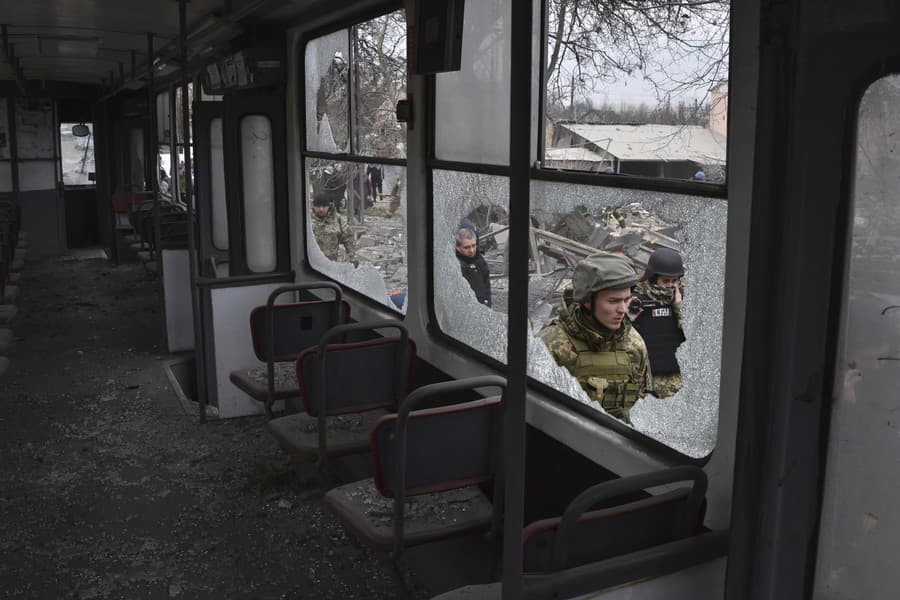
<point>189,199</point>
<point>520,143</point>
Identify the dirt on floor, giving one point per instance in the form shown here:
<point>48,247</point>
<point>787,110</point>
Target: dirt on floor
<point>109,488</point>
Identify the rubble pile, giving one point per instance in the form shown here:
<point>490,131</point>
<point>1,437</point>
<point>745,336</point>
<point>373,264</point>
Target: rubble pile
<point>559,241</point>
<point>381,244</point>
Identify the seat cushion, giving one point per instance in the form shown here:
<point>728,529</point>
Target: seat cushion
<point>428,517</point>
<point>254,381</point>
<point>347,434</point>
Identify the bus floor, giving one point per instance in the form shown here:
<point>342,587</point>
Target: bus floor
<point>109,489</point>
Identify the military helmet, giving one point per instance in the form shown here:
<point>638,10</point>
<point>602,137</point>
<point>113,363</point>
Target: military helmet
<point>601,271</point>
<point>665,262</point>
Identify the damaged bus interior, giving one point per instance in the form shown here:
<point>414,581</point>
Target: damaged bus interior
<point>293,176</point>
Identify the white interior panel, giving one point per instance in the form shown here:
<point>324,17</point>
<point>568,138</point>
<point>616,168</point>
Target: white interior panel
<point>177,294</point>
<point>234,345</point>
<point>259,192</point>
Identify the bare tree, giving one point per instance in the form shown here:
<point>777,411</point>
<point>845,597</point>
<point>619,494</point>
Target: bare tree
<point>679,46</point>
<point>380,80</point>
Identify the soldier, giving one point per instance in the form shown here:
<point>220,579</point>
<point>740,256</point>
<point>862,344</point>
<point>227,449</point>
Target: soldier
<point>331,229</point>
<point>592,338</point>
<point>658,319</point>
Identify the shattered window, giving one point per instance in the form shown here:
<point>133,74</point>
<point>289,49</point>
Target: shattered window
<point>356,209</point>
<point>474,102</point>
<point>570,222</point>
<point>356,227</point>
<point>328,93</point>
<point>637,88</point>
<point>470,232</point>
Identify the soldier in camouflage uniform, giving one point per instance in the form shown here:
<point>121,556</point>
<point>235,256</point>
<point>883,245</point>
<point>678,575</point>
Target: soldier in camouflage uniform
<point>592,338</point>
<point>659,319</point>
<point>331,229</point>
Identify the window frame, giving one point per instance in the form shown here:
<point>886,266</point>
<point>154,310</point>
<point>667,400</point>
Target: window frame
<point>305,153</point>
<point>539,173</point>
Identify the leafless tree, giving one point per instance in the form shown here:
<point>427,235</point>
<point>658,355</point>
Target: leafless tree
<point>679,46</point>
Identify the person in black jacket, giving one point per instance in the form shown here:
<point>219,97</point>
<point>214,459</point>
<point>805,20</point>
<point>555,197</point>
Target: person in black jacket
<point>474,267</point>
<point>657,317</point>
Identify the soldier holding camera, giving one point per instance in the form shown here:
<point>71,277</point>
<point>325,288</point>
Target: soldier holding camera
<point>592,338</point>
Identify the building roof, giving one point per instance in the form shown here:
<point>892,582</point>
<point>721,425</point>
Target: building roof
<point>575,153</point>
<point>653,142</point>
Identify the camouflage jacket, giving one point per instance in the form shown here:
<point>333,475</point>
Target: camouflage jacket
<point>612,367</point>
<point>332,231</point>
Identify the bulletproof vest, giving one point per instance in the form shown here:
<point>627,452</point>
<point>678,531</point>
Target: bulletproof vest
<point>615,368</point>
<point>658,325</point>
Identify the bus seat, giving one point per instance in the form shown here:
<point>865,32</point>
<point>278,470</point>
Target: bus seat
<point>282,337</point>
<point>570,555</point>
<point>427,476</point>
<point>346,388</point>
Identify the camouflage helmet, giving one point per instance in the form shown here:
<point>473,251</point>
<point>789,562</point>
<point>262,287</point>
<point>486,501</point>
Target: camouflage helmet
<point>601,271</point>
<point>665,262</point>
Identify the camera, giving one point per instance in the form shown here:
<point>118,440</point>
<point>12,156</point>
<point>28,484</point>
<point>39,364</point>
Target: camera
<point>635,305</point>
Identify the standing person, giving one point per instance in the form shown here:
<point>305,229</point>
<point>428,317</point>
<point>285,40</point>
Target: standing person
<point>592,338</point>
<point>474,267</point>
<point>659,318</point>
<point>336,185</point>
<point>375,173</point>
<point>331,230</point>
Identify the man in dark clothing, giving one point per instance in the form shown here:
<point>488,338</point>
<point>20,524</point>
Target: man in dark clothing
<point>375,174</point>
<point>336,185</point>
<point>474,267</point>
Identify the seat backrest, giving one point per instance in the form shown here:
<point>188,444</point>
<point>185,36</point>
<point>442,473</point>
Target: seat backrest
<point>439,449</point>
<point>298,326</point>
<point>361,376</point>
<point>550,545</point>
<point>123,201</point>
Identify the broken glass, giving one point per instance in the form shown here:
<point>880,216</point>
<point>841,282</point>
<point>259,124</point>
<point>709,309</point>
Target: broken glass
<point>461,199</point>
<point>328,93</point>
<point>587,219</point>
<point>358,237</point>
<point>379,82</point>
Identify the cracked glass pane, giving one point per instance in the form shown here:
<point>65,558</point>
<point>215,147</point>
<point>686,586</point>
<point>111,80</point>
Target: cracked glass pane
<point>472,104</point>
<point>859,523</point>
<point>328,93</point>
<point>470,235</point>
<point>379,82</point>
<point>573,221</point>
<point>356,227</point>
